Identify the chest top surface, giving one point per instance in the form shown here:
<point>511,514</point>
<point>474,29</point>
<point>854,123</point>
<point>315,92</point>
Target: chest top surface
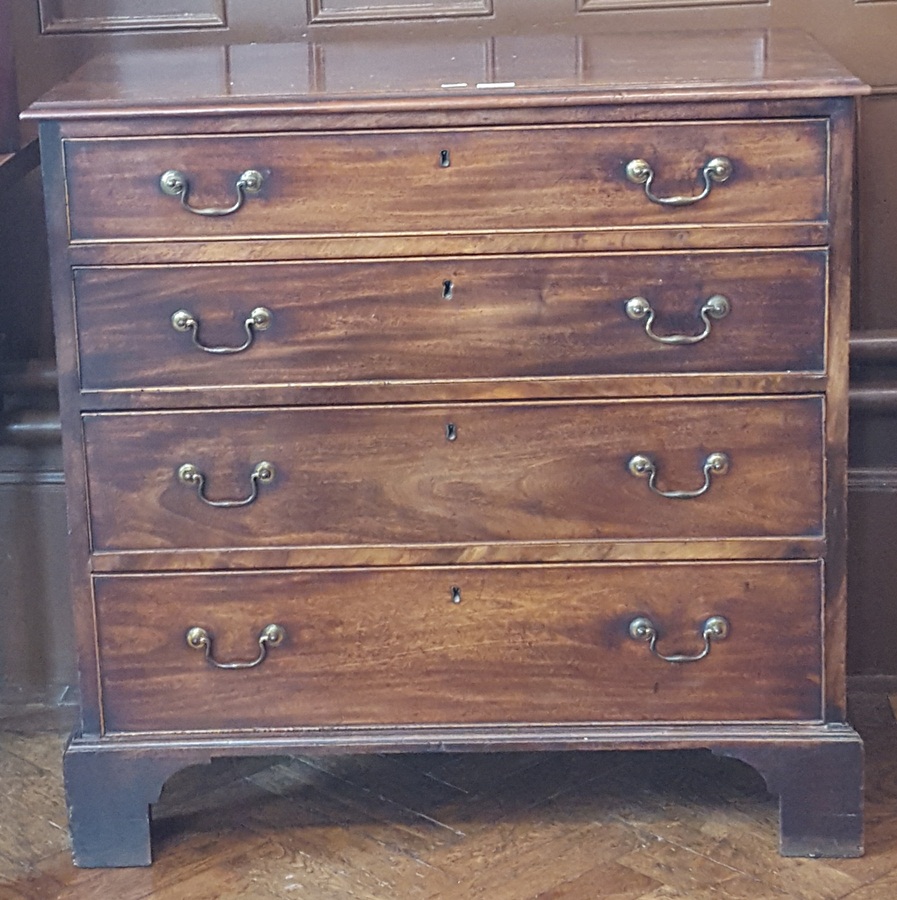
<point>438,71</point>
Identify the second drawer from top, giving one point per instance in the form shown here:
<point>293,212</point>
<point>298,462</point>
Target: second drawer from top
<point>451,319</point>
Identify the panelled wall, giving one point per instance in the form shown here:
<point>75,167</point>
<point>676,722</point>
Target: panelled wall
<point>51,37</point>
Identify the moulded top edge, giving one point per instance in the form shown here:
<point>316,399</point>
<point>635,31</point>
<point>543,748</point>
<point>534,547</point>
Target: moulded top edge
<point>446,71</point>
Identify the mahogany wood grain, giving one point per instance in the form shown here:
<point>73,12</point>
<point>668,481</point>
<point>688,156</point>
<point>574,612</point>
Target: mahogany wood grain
<point>397,72</point>
<point>514,472</point>
<point>506,179</point>
<point>78,548</point>
<point>450,320</point>
<point>585,387</point>
<point>533,644</point>
<point>178,559</point>
<point>108,801</point>
<point>837,409</point>
<point>117,779</point>
<point>820,794</point>
<point>618,239</point>
<point>366,475</point>
<point>497,111</point>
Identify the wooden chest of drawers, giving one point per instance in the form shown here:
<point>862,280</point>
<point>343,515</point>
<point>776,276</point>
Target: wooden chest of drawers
<point>449,417</point>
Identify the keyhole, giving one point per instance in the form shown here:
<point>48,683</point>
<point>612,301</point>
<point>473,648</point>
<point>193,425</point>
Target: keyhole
<point>445,159</point>
<point>448,289</point>
<point>456,595</point>
<point>451,432</point>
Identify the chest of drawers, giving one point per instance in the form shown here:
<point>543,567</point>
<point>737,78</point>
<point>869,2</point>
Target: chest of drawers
<point>452,417</point>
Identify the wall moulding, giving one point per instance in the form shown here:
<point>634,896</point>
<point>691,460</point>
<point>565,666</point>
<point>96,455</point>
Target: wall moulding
<point>606,5</point>
<point>323,12</point>
<point>872,481</point>
<point>85,16</point>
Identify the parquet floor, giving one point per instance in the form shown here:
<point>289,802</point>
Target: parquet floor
<point>494,827</point>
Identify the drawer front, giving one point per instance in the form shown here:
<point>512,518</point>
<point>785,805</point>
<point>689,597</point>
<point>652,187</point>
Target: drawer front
<point>468,473</point>
<point>465,181</point>
<point>463,645</point>
<point>451,320</point>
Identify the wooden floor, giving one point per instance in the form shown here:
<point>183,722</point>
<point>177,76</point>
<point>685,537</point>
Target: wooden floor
<point>572,826</point>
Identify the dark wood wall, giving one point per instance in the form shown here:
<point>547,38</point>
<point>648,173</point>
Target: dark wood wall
<point>9,129</point>
<point>50,37</point>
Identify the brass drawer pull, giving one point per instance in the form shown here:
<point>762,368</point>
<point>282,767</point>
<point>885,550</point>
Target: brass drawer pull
<point>716,628</point>
<point>200,639</point>
<point>716,171</point>
<point>259,320</point>
<point>176,184</point>
<point>716,307</point>
<point>263,473</point>
<point>642,466</point>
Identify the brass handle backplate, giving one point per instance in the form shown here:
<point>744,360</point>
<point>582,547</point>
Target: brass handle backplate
<point>716,171</point>
<point>716,628</point>
<point>259,320</point>
<point>176,184</point>
<point>190,475</point>
<point>200,639</point>
<point>642,466</point>
<point>716,307</point>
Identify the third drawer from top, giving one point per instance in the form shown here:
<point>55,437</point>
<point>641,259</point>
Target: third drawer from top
<point>456,474</point>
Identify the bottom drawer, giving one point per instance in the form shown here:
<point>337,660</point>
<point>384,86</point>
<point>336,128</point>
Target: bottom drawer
<point>442,645</point>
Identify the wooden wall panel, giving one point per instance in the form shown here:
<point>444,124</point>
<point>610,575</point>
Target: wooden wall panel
<point>78,16</point>
<point>9,126</point>
<point>36,642</point>
<point>36,653</point>
<point>639,5</point>
<point>863,36</point>
<point>25,319</point>
<point>876,306</point>
<point>872,614</point>
<point>354,11</point>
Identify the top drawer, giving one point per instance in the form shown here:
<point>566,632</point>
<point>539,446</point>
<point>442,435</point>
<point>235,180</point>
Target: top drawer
<point>571,178</point>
